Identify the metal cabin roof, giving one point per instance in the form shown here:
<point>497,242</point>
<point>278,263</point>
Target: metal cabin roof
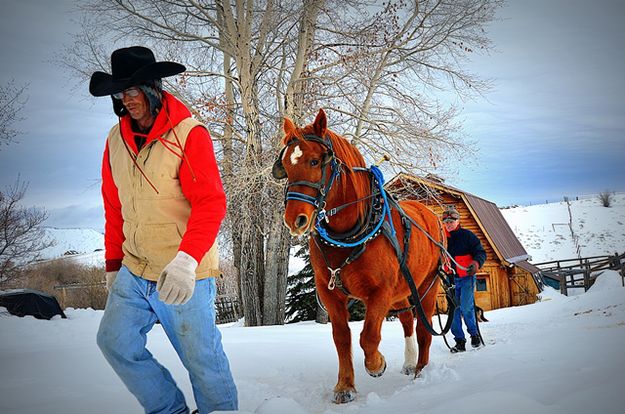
<point>523,264</point>
<point>488,217</point>
<point>496,229</point>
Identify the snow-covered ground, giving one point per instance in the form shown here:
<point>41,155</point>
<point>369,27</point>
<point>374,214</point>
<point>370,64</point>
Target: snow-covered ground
<point>544,231</point>
<point>560,355</point>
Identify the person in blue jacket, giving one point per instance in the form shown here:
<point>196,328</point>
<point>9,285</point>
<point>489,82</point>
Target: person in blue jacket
<point>466,249</point>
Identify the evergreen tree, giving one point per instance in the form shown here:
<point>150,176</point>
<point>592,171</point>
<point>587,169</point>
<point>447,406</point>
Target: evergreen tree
<point>301,301</point>
<point>357,310</point>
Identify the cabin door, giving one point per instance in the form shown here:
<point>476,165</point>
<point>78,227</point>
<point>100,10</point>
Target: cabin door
<point>483,291</point>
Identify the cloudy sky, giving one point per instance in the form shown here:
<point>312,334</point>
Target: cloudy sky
<point>553,126</point>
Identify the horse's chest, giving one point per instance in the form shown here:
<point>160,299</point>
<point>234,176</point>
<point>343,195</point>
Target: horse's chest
<point>360,278</point>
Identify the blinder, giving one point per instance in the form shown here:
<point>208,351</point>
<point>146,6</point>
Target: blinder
<point>277,171</point>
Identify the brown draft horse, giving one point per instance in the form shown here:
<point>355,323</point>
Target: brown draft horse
<point>374,277</point>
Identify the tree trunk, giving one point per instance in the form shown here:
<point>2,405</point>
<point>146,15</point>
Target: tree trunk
<point>252,229</point>
<point>322,315</point>
<point>251,273</point>
<point>227,162</point>
<point>296,88</point>
<point>278,247</point>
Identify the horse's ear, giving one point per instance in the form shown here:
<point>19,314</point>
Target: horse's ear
<point>321,124</point>
<point>278,171</point>
<point>289,126</point>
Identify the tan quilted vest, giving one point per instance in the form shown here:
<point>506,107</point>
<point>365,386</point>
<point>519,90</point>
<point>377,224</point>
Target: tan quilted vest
<point>154,223</point>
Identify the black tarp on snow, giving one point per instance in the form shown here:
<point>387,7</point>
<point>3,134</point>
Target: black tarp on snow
<point>31,302</point>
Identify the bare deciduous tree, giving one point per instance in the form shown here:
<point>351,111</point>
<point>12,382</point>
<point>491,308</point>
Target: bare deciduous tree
<point>21,236</point>
<point>381,69</point>
<point>12,101</point>
<point>392,78</point>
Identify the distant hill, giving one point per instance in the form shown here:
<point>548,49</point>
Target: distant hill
<point>83,245</point>
<point>545,233</point>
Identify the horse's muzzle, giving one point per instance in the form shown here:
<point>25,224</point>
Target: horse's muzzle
<point>300,226</point>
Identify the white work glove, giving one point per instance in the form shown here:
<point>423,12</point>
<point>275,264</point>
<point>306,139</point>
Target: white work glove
<point>110,278</point>
<point>177,281</point>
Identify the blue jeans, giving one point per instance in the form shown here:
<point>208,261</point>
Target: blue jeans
<point>465,307</point>
<point>131,310</point>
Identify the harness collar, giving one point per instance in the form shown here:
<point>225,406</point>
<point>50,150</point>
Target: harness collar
<point>378,212</point>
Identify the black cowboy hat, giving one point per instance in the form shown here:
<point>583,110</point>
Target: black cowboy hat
<point>131,66</point>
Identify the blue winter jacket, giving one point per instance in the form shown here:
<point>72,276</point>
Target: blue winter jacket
<point>465,247</point>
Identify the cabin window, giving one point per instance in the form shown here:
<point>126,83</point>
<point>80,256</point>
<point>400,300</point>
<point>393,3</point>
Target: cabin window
<point>480,285</point>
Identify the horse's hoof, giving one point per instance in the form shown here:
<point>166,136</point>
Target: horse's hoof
<point>417,371</point>
<point>342,397</point>
<point>409,369</point>
<point>376,374</point>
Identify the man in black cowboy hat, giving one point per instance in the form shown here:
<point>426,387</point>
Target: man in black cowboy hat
<point>466,249</point>
<point>163,203</point>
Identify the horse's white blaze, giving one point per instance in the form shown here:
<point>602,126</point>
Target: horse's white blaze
<point>297,152</point>
<point>410,352</point>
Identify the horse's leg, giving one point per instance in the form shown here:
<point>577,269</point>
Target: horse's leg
<point>370,337</point>
<point>424,338</point>
<point>344,391</point>
<point>410,349</point>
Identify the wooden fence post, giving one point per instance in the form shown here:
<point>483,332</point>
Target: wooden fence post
<point>562,280</point>
<point>586,277</point>
<point>616,265</point>
<point>63,297</point>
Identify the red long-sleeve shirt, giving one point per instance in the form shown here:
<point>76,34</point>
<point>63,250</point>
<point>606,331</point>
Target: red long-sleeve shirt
<point>202,187</point>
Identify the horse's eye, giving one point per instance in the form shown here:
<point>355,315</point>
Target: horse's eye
<point>314,163</point>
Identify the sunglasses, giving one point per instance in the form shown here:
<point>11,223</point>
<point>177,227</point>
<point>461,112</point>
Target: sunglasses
<point>449,217</point>
<point>130,92</point>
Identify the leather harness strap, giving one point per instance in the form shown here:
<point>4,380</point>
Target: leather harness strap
<point>402,257</point>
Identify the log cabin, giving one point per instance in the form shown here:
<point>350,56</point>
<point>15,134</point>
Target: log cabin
<point>507,278</point>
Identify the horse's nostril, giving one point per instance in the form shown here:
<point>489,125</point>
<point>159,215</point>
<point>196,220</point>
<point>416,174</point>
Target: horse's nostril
<point>301,221</point>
